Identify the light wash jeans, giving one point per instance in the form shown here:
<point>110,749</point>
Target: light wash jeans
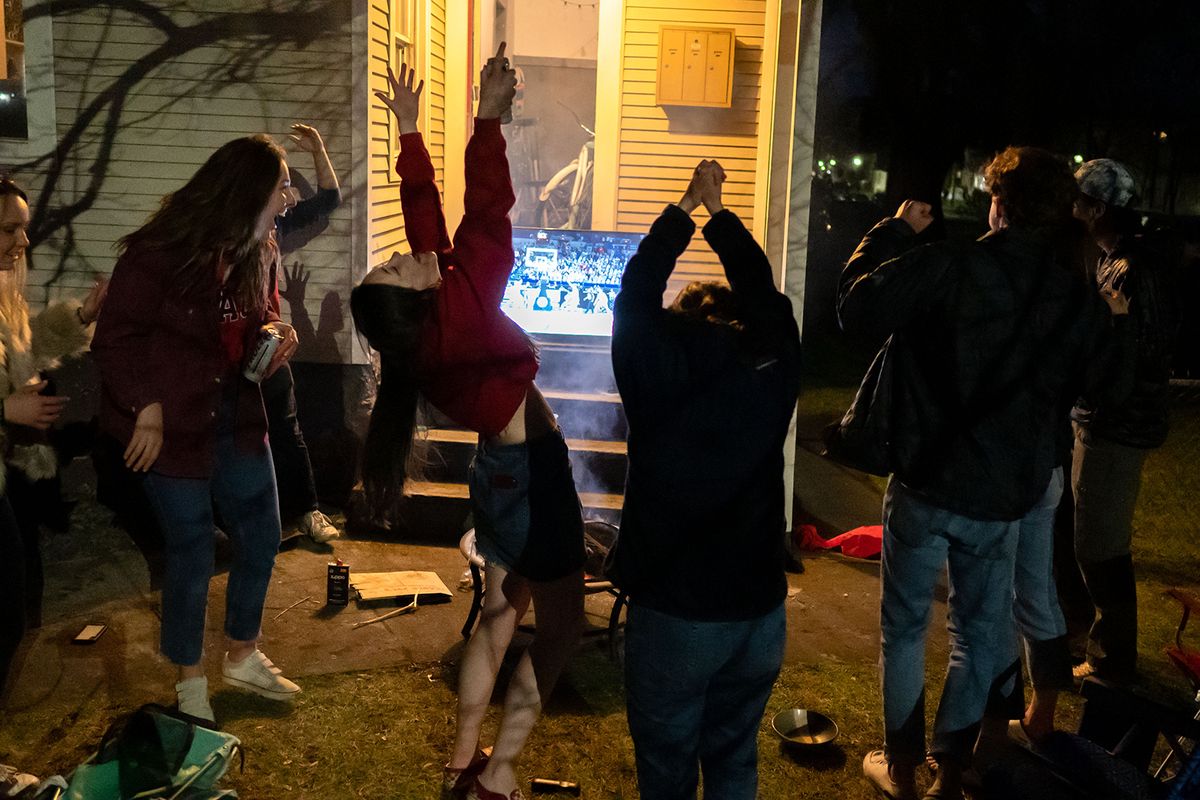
<point>919,540</point>
<point>1037,616</point>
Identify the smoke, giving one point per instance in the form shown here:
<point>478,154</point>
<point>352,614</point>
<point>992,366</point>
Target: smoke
<point>577,381</point>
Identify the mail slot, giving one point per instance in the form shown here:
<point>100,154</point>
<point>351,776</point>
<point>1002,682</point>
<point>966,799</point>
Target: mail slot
<point>695,67</point>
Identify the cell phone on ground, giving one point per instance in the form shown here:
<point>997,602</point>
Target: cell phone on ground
<point>89,634</point>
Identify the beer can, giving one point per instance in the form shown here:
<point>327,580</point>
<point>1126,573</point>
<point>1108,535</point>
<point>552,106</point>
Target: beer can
<point>337,584</point>
<point>265,346</point>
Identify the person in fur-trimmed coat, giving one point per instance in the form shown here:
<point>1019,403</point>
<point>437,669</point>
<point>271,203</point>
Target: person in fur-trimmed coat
<point>28,346</point>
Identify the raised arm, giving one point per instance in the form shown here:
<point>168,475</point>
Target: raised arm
<point>648,361</point>
<point>878,290</point>
<point>483,242</point>
<point>315,209</point>
<point>746,266</point>
<point>420,201</point>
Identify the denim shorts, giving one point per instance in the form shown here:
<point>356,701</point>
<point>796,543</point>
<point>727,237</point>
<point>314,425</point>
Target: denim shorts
<point>528,519</point>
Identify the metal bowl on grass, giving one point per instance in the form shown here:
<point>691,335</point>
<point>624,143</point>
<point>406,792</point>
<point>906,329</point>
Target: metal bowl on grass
<point>803,728</point>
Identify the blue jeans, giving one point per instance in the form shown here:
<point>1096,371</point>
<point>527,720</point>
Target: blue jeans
<point>1036,611</point>
<point>918,541</point>
<point>1037,617</point>
<point>243,487</point>
<point>695,694</point>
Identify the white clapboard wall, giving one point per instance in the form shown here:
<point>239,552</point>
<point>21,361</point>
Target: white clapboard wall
<point>143,98</point>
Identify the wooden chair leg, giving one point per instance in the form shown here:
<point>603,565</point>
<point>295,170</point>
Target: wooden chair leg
<point>614,622</point>
<point>476,601</point>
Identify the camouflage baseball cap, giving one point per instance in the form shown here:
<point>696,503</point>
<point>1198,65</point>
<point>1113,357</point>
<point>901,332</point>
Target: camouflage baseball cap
<point>1108,181</point>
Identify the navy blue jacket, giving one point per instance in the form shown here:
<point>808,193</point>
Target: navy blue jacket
<point>708,407</point>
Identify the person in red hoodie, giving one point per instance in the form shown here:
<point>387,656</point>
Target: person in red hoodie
<point>435,319</point>
<point>190,295</point>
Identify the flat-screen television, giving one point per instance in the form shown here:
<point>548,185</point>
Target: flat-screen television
<point>565,282</point>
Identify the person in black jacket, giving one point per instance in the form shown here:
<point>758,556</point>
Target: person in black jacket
<point>709,387</point>
<point>1113,439</point>
<point>293,470</point>
<point>987,339</point>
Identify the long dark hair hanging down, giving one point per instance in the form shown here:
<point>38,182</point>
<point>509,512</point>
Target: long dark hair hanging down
<point>218,210</point>
<point>391,318</point>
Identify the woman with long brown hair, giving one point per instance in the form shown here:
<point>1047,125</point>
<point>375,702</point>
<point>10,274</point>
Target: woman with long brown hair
<point>435,318</point>
<point>29,344</point>
<point>192,297</point>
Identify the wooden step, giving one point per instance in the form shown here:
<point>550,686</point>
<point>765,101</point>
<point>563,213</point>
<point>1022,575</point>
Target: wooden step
<point>599,465</point>
<point>588,415</point>
<point>576,364</point>
<point>461,436</point>
<point>458,491</point>
<point>583,397</point>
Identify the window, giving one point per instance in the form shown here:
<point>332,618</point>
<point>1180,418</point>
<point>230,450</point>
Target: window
<point>404,27</point>
<point>14,102</point>
<point>27,113</point>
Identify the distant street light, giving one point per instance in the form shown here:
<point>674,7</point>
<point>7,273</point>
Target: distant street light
<point>1078,158</point>
<point>857,161</point>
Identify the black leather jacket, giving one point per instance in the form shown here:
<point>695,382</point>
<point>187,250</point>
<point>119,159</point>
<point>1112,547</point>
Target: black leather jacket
<point>1141,419</point>
<point>993,341</point>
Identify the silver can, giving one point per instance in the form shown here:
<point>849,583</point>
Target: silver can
<point>268,342</point>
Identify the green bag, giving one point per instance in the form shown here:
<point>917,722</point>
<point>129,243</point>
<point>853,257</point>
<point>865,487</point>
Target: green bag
<point>156,753</point>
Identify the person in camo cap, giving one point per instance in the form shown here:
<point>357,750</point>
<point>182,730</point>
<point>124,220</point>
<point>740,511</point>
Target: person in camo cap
<point>1112,440</point>
<point>1107,181</point>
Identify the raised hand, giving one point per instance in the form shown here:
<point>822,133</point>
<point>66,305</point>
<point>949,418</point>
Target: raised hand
<point>307,138</point>
<point>497,86</point>
<point>710,177</point>
<point>705,187</point>
<point>404,99</point>
<point>26,406</point>
<point>297,283</point>
<point>917,214</point>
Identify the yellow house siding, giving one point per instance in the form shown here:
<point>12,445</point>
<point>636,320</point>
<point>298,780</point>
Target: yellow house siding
<point>386,221</point>
<point>166,99</point>
<point>658,146</point>
<point>435,87</point>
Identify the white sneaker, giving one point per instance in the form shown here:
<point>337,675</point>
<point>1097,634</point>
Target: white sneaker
<point>13,782</point>
<point>193,699</point>
<point>318,527</point>
<point>255,673</point>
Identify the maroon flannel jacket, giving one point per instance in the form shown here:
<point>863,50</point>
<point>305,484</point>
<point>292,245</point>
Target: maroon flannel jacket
<point>476,364</point>
<point>153,345</point>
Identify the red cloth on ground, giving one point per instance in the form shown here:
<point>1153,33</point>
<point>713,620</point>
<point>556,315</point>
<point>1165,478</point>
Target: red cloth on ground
<point>476,364</point>
<point>864,542</point>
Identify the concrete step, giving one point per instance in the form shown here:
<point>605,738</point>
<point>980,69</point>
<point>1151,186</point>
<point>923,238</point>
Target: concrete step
<point>598,465</point>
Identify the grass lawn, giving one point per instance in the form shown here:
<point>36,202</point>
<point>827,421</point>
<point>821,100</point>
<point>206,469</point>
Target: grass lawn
<point>385,733</point>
